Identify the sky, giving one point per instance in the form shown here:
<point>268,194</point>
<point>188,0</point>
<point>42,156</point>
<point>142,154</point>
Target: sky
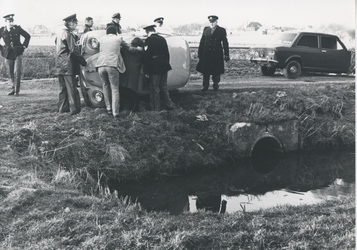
<point>231,13</point>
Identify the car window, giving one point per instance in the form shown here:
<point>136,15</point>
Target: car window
<point>308,41</point>
<point>328,42</point>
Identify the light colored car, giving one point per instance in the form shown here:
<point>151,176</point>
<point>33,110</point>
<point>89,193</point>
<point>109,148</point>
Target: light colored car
<point>296,52</point>
<point>91,85</point>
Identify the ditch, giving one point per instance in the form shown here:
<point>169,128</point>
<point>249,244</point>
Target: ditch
<point>250,185</point>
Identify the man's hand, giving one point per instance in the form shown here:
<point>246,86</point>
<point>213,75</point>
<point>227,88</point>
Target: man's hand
<point>226,58</point>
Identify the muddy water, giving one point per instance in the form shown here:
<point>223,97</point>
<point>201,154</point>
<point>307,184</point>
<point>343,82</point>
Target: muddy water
<point>251,184</point>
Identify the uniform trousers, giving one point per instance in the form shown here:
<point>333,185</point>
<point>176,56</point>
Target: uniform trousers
<point>159,92</point>
<point>14,70</point>
<point>69,100</point>
<point>215,78</point>
<point>110,79</point>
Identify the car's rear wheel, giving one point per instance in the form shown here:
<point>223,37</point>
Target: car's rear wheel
<point>267,71</point>
<point>292,69</point>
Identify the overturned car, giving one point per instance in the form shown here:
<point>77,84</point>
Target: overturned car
<point>133,78</point>
<point>297,52</point>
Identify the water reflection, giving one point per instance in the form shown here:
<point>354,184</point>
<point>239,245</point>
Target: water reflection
<point>270,199</point>
<point>298,179</point>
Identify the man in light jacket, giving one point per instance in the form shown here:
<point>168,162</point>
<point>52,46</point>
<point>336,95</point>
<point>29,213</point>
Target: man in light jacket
<point>110,63</point>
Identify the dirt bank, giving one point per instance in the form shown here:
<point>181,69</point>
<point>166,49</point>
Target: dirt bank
<point>169,142</point>
<point>54,168</point>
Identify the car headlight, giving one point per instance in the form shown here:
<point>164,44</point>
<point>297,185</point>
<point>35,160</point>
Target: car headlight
<point>93,43</point>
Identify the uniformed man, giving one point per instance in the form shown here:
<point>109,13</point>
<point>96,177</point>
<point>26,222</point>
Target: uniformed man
<point>156,65</point>
<point>160,28</point>
<point>159,21</point>
<point>115,22</point>
<point>13,50</point>
<point>66,42</point>
<point>88,24</point>
<point>211,53</point>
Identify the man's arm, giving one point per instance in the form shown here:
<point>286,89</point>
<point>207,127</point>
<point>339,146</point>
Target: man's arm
<point>147,57</point>
<point>1,47</point>
<point>1,31</point>
<point>26,35</point>
<point>225,43</point>
<point>128,47</point>
<point>225,46</point>
<point>202,42</point>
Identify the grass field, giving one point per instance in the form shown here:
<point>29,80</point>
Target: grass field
<point>54,169</point>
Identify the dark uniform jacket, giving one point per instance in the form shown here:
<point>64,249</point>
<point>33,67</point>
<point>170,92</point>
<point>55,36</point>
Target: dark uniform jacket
<point>13,46</point>
<point>116,25</point>
<point>87,29</point>
<point>156,55</point>
<point>210,51</point>
<point>65,43</point>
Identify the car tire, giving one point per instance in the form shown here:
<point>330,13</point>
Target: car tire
<point>94,103</point>
<point>267,71</point>
<point>292,69</point>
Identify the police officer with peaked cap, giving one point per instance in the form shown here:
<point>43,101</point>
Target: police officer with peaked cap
<point>156,65</point>
<point>13,50</point>
<point>212,50</point>
<point>115,22</point>
<point>160,28</point>
<point>66,43</point>
<point>159,21</point>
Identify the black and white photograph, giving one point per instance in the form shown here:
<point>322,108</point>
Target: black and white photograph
<point>177,125</point>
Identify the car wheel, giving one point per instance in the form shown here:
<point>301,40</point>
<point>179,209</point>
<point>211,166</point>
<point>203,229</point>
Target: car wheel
<point>292,69</point>
<point>267,71</point>
<point>95,98</point>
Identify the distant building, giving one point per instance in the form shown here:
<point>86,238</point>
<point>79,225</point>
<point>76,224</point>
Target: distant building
<point>40,30</point>
<point>270,30</point>
<point>253,26</point>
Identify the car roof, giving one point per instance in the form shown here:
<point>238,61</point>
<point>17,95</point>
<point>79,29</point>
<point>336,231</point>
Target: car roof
<point>311,33</point>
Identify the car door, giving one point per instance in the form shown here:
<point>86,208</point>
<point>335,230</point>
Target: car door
<point>335,56</point>
<point>307,47</point>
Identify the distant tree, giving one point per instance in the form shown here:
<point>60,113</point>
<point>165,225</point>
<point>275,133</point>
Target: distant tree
<point>351,33</point>
<point>189,29</point>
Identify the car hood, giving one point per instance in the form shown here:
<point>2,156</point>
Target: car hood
<point>270,46</point>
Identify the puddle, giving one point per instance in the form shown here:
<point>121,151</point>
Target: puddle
<point>295,179</point>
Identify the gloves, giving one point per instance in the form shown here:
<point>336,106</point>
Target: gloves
<point>226,58</point>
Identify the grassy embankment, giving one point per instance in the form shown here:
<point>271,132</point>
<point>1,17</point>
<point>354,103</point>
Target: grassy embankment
<point>54,168</point>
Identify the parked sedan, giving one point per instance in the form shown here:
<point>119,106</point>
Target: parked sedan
<point>296,52</point>
<point>91,85</point>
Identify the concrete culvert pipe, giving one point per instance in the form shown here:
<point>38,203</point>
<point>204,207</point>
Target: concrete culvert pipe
<point>266,153</point>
